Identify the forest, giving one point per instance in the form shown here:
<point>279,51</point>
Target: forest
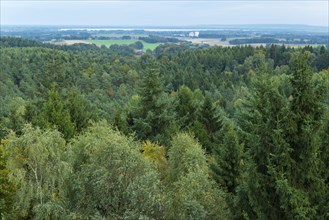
<point>178,133</point>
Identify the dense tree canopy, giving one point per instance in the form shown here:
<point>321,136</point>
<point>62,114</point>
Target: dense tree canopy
<point>181,133</point>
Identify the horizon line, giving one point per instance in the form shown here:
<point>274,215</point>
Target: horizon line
<point>187,25</point>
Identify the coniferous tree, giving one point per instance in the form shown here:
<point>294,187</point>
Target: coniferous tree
<point>283,179</point>
<point>153,118</point>
<point>228,155</point>
<point>263,127</point>
<point>54,115</point>
<point>308,112</point>
<point>208,124</point>
<point>79,108</point>
<point>186,108</point>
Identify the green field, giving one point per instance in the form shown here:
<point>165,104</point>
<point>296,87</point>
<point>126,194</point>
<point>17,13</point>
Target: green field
<point>117,35</point>
<point>108,43</point>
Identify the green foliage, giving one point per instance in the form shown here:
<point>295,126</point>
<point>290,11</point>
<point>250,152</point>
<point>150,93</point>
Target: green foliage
<point>186,107</point>
<point>37,168</point>
<point>54,115</point>
<point>283,178</point>
<point>80,110</point>
<point>16,117</point>
<point>264,122</point>
<point>193,195</point>
<point>209,117</point>
<point>259,113</point>
<point>7,188</point>
<point>307,108</point>
<point>208,124</point>
<point>153,117</point>
<point>229,159</point>
<point>157,155</point>
<point>324,155</point>
<point>111,178</point>
<point>138,45</point>
<point>185,154</point>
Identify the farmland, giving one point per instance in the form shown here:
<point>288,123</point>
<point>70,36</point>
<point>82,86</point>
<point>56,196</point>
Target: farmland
<point>108,43</point>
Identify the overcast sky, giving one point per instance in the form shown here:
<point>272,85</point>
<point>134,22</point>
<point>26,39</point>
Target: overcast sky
<point>164,13</point>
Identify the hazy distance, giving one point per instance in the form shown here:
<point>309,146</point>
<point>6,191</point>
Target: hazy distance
<point>163,13</point>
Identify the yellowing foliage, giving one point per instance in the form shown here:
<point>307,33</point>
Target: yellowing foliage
<point>7,189</point>
<point>156,154</point>
<point>4,142</point>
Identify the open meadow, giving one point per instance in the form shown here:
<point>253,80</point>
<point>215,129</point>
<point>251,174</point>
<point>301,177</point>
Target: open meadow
<point>108,43</point>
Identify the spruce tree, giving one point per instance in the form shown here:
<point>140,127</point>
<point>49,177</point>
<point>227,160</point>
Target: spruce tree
<point>153,117</point>
<point>186,107</point>
<point>228,156</point>
<point>308,117</point>
<point>54,115</point>
<point>262,133</point>
<point>208,124</point>
<point>79,109</point>
<point>283,178</point>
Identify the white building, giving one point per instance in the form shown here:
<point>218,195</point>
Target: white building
<point>194,34</point>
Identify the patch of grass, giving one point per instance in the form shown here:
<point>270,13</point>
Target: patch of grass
<point>108,43</point>
<point>119,35</point>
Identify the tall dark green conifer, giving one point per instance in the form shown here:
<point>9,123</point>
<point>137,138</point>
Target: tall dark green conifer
<point>283,180</point>
<point>54,115</point>
<point>153,117</point>
<point>229,158</point>
<point>262,131</point>
<point>79,108</point>
<point>208,124</point>
<point>308,111</point>
<point>186,107</point>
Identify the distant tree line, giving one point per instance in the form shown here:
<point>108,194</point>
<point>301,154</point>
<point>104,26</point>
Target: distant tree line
<point>159,39</point>
<point>268,40</point>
